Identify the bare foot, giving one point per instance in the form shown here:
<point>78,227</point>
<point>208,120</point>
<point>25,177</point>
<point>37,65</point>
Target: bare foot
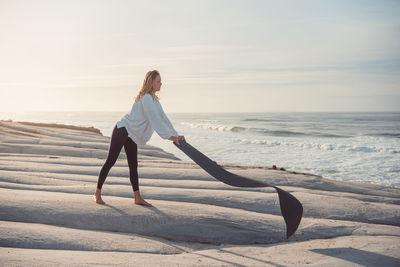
<point>141,201</point>
<point>98,199</point>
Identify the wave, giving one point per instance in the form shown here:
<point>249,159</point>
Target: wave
<point>262,131</point>
<point>265,120</point>
<point>258,142</point>
<point>318,146</point>
<point>395,135</point>
<point>207,120</point>
<point>214,127</point>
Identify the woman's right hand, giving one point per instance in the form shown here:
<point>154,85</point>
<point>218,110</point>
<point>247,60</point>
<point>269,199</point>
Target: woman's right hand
<point>177,138</point>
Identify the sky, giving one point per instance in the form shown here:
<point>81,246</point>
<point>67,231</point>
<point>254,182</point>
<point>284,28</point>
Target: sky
<point>213,56</point>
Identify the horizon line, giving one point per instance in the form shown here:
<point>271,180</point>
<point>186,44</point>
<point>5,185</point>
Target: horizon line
<point>203,112</point>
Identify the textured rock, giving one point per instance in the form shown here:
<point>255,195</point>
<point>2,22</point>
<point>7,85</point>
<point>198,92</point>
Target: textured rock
<point>48,175</point>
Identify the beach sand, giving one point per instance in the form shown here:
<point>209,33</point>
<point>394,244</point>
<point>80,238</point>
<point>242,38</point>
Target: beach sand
<point>49,172</point>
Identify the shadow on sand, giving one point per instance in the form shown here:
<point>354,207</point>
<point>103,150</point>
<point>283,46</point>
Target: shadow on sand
<point>362,257</point>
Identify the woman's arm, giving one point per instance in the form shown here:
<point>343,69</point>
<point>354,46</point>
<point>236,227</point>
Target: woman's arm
<point>166,120</point>
<point>164,117</point>
<point>151,113</point>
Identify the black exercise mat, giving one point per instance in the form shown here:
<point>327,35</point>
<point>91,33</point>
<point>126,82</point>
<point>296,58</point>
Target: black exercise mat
<point>291,208</point>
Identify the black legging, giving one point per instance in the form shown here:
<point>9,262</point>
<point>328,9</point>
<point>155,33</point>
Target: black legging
<point>120,138</point>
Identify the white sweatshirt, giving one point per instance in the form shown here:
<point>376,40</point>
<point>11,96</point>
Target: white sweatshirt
<point>146,116</point>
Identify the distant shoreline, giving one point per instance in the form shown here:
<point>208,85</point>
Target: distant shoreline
<point>216,112</point>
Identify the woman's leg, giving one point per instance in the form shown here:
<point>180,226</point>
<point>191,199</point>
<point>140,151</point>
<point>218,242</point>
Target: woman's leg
<point>118,139</point>
<point>131,155</point>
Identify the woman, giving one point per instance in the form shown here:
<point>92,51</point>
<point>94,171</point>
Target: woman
<point>135,129</point>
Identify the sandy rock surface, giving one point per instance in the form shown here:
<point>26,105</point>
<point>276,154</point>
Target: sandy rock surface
<point>48,174</point>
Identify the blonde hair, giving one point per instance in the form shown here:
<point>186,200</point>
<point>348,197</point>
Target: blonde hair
<point>147,85</point>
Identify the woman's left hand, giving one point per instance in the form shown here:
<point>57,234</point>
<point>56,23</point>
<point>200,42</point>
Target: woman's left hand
<point>181,137</point>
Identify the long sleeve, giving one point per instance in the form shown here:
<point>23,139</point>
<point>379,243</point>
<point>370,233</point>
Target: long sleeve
<point>151,113</point>
<point>167,121</point>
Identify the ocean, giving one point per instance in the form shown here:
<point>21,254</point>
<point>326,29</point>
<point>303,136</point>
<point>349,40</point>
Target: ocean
<point>362,147</point>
